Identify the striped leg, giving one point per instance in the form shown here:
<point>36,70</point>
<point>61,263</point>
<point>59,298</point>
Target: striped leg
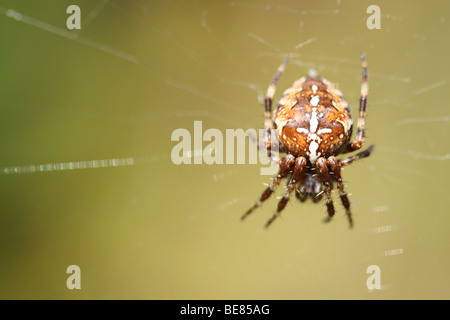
<point>268,106</point>
<point>336,169</point>
<point>273,157</point>
<point>285,165</point>
<point>300,164</point>
<point>357,144</point>
<point>359,155</point>
<point>325,176</point>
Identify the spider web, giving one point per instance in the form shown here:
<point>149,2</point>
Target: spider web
<point>87,172</point>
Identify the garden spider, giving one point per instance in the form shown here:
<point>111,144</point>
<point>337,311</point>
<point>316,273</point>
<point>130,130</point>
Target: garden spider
<point>314,125</point>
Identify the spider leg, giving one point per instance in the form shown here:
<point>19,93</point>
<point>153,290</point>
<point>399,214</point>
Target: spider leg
<point>259,146</point>
<point>300,164</point>
<point>286,163</point>
<point>357,144</point>
<point>336,169</point>
<point>268,106</point>
<point>359,155</point>
<point>301,195</point>
<point>321,164</point>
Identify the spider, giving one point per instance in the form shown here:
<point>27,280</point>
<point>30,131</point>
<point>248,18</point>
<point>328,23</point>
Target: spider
<point>314,125</point>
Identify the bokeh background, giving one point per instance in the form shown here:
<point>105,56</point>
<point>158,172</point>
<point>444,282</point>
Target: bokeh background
<point>141,227</point>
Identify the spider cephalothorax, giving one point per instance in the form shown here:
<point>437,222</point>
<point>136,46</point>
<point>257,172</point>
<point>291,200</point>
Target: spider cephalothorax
<point>314,125</point>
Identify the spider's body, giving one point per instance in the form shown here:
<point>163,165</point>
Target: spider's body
<point>314,125</point>
<point>313,120</point>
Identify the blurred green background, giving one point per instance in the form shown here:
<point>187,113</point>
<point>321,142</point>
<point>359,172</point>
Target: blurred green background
<point>138,70</point>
